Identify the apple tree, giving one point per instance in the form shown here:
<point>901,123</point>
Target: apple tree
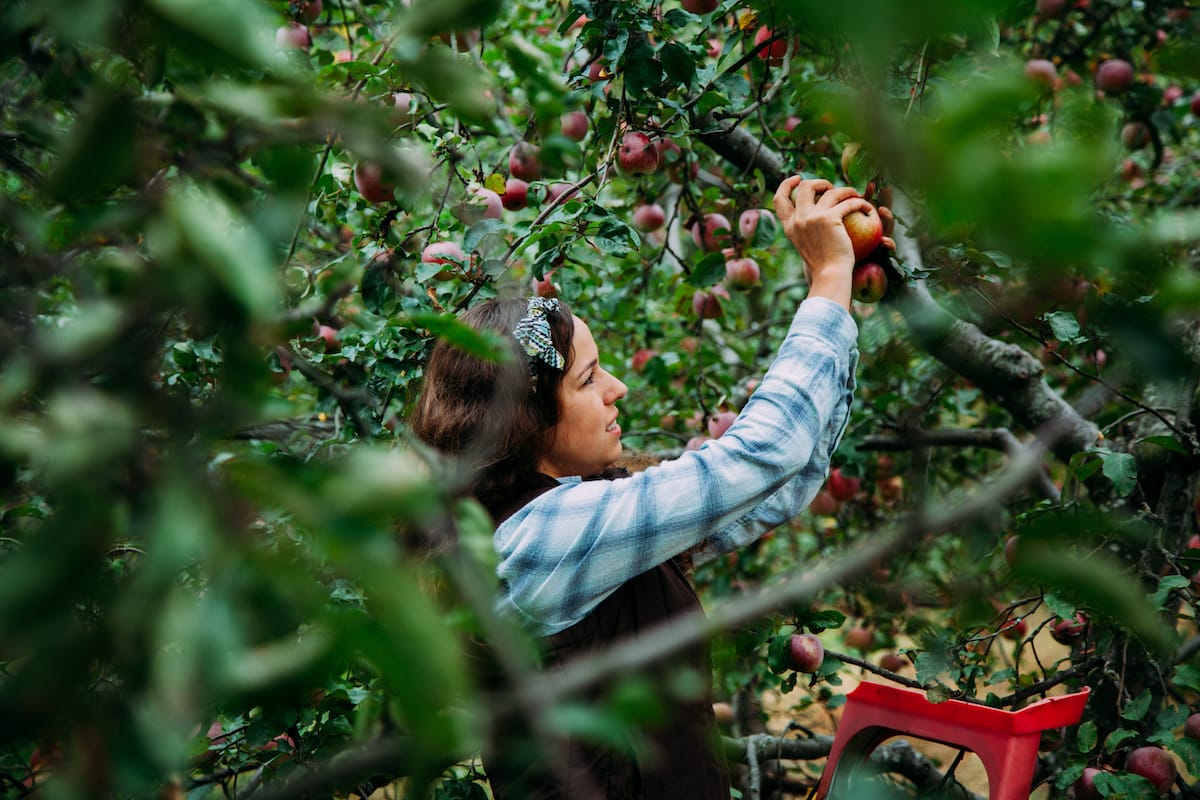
<point>232,231</point>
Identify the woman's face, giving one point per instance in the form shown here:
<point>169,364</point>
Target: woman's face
<point>586,438</point>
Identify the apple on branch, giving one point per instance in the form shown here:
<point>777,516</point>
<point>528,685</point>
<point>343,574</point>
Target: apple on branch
<point>805,652</point>
<point>636,154</point>
<point>868,282</point>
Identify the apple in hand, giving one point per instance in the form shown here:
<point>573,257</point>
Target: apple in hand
<point>805,652</point>
<point>1155,765</point>
<point>866,232</point>
<point>868,282</point>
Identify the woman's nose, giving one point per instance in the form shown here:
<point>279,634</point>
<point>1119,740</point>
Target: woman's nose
<point>618,390</point>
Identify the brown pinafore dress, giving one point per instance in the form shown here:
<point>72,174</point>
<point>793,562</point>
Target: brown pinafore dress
<point>677,756</point>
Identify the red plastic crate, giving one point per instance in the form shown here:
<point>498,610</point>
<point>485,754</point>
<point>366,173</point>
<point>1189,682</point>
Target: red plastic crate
<point>1005,741</point>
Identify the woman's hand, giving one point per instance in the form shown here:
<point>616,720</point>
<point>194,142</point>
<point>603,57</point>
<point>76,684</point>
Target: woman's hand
<point>811,212</point>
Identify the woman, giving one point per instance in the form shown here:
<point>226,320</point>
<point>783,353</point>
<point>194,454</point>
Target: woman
<point>588,554</point>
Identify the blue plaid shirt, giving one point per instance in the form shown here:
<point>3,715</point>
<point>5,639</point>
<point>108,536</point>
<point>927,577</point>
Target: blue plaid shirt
<point>569,548</point>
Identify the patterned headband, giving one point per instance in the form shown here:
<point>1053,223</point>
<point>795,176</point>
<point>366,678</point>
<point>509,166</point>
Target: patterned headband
<point>533,332</point>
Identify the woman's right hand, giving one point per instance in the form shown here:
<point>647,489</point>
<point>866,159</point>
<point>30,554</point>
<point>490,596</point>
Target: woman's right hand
<point>811,213</point>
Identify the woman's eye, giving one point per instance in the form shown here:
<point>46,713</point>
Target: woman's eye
<point>591,378</point>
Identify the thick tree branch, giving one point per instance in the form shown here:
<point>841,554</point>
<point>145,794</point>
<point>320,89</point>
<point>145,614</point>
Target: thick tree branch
<point>1006,373</point>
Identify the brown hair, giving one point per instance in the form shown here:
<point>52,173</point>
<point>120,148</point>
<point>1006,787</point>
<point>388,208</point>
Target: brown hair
<point>493,415</point>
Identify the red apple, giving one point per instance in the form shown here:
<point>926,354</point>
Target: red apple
<point>406,106</point>
<point>1085,787</point>
<point>481,203</point>
<point>1194,105</point>
<point>368,179</point>
<point>1155,765</point>
<point>649,217</point>
<point>712,232</point>
<point>1066,631</point>
<point>824,504</point>
<point>640,358</point>
<point>462,40</point>
<point>1051,9</point>
<point>516,194</point>
<point>741,273</point>
<point>310,10</point>
<point>1172,94</point>
<point>574,125</point>
<point>707,304</point>
<point>1041,71</point>
<point>860,638</point>
<point>748,222</point>
<point>293,36</point>
<point>1013,627</point>
<point>328,335</point>
<point>866,232</point>
<point>524,163</point>
<point>448,254</point>
<point>1191,728</point>
<point>1135,135</point>
<point>893,662</point>
<point>559,189</point>
<point>868,282</point>
<point>842,487</point>
<point>773,53</point>
<point>699,6</point>
<point>544,286</point>
<point>1114,75</point>
<point>636,154</point>
<point>719,423</point>
<point>805,652</point>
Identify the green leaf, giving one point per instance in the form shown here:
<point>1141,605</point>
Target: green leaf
<point>1087,736</point>
<point>678,63</point>
<point>779,653</point>
<point>1121,469</point>
<point>208,230</point>
<point>709,270</point>
<point>1099,582</point>
<point>1167,443</point>
<point>484,344</point>
<point>99,151</point>
<point>930,665</point>
<point>1166,585</point>
<point>1065,327</point>
<point>223,31</point>
<point>1187,677</point>
<point>1137,708</point>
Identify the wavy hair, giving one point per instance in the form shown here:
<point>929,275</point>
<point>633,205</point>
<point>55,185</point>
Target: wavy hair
<point>493,416</point>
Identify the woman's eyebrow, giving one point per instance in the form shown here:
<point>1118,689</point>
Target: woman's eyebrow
<point>588,367</point>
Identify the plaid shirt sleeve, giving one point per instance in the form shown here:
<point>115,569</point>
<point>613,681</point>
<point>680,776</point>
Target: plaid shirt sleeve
<point>568,549</point>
